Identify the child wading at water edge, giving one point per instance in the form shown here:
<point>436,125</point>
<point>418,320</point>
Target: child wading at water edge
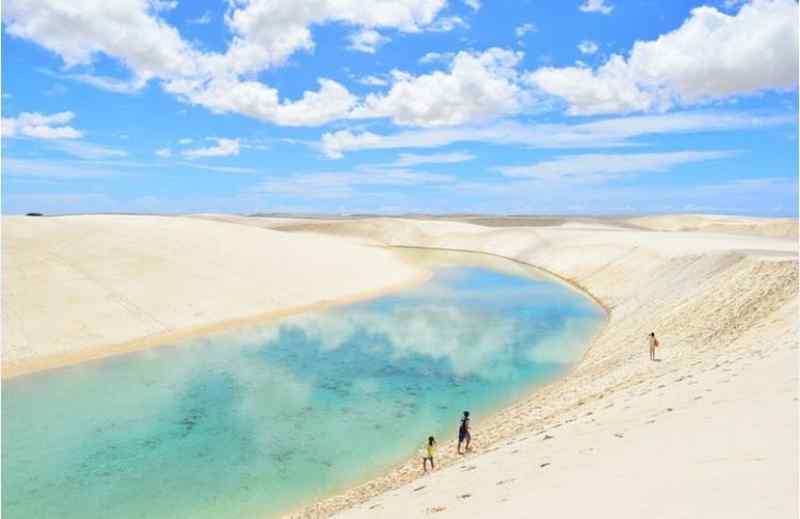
<point>463,433</point>
<point>430,452</point>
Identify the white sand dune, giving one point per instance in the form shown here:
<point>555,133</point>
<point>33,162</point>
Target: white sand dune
<point>81,287</point>
<point>709,431</point>
<point>775,227</point>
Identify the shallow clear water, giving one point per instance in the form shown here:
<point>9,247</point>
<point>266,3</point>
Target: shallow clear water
<point>255,422</point>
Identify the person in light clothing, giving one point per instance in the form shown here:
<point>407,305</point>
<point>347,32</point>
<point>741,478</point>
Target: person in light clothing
<point>653,344</point>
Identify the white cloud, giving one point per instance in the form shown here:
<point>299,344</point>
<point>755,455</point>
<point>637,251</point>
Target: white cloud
<point>410,159</point>
<point>433,57</point>
<point>185,141</point>
<point>164,5</point>
<point>264,34</point>
<point>711,56</point>
<point>40,126</point>
<point>732,4</point>
<point>204,19</point>
<point>524,29</point>
<point>87,150</point>
<point>477,87</point>
<point>587,47</point>
<point>592,167</point>
<point>108,84</point>
<point>268,32</point>
<point>374,81</point>
<point>473,4</point>
<point>596,6</point>
<point>612,132</point>
<point>366,40</point>
<point>223,148</point>
<point>164,153</point>
<point>255,99</point>
<point>447,24</point>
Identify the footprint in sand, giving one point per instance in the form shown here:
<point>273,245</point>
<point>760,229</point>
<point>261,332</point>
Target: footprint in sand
<point>419,488</point>
<point>465,496</point>
<point>436,509</point>
<point>504,481</point>
<point>548,437</point>
<point>543,465</point>
<point>619,435</point>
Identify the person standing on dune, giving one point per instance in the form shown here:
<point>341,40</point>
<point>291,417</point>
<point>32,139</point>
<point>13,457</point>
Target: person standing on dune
<point>653,344</point>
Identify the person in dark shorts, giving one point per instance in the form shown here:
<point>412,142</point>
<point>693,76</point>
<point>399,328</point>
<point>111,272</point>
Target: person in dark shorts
<point>464,435</point>
<point>430,453</point>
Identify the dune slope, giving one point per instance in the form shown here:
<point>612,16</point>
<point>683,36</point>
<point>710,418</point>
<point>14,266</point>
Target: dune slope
<point>725,308</point>
<point>85,286</point>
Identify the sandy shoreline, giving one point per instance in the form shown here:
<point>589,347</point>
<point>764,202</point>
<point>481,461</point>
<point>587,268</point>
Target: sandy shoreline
<point>121,290</point>
<point>703,291</point>
<point>11,369</point>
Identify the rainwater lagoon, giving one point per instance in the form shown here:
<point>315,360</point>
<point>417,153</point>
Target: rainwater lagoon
<point>255,422</point>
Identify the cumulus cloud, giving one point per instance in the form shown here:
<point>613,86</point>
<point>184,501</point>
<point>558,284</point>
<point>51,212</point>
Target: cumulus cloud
<point>596,6</point>
<point>587,47</point>
<point>257,100</point>
<point>477,87</point>
<point>596,167</point>
<point>40,126</point>
<point>713,55</point>
<point>164,153</point>
<point>264,34</point>
<point>366,40</point>
<point>223,148</point>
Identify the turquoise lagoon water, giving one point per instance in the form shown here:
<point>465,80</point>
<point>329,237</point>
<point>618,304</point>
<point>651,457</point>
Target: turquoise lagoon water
<point>254,422</point>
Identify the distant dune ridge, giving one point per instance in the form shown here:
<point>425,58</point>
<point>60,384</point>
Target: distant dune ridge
<point>710,431</point>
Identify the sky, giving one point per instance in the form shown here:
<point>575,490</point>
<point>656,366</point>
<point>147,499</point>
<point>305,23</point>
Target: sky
<point>400,106</point>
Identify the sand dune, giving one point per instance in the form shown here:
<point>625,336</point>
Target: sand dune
<point>722,305</point>
<point>86,286</point>
<point>709,431</point>
<point>775,227</point>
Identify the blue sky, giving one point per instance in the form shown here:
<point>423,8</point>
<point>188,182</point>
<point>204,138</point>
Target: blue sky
<point>394,106</point>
